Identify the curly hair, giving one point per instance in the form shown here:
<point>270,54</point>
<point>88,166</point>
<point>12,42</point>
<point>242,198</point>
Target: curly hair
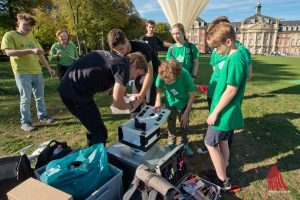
<point>169,70</point>
<point>27,18</point>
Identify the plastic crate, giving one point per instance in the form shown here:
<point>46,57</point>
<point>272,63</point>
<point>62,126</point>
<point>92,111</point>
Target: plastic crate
<point>112,190</point>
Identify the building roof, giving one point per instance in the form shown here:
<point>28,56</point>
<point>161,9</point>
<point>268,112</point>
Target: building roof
<point>290,23</point>
<point>257,17</point>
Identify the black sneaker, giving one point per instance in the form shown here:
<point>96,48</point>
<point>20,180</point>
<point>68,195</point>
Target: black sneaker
<point>226,185</point>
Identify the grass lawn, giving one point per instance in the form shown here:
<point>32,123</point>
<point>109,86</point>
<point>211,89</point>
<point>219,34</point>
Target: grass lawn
<point>271,134</point>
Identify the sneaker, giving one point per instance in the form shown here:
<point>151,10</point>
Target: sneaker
<point>171,146</point>
<point>188,150</point>
<point>27,127</point>
<point>46,120</point>
<point>226,185</point>
<point>202,150</point>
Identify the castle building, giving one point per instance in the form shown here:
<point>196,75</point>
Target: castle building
<point>259,33</point>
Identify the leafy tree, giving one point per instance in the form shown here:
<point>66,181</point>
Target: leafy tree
<point>163,31</point>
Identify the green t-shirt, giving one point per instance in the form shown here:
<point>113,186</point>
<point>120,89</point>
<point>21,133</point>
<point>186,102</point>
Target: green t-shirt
<point>182,55</point>
<point>234,73</point>
<point>27,64</point>
<point>177,93</point>
<point>67,54</point>
<point>218,60</point>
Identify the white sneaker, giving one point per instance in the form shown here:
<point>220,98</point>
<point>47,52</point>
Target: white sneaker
<point>27,127</point>
<point>46,120</point>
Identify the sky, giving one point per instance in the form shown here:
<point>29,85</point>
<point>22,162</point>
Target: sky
<point>235,10</point>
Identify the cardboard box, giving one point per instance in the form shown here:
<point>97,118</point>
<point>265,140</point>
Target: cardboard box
<point>32,189</point>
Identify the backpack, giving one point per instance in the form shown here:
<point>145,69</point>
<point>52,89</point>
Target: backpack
<point>191,55</point>
<point>48,154</point>
<point>14,170</point>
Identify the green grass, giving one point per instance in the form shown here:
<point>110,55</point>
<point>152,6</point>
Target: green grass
<point>271,134</point>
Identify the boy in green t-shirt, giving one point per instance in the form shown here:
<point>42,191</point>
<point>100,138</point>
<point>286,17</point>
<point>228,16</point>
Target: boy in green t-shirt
<point>179,89</point>
<point>25,52</point>
<point>225,113</point>
<point>217,61</point>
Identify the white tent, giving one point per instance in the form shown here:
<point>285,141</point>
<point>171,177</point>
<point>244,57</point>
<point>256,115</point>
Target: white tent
<point>182,11</point>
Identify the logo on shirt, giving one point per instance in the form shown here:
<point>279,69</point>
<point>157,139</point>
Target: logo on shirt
<point>221,64</point>
<point>174,92</point>
<point>107,54</point>
<point>180,58</point>
<point>146,41</point>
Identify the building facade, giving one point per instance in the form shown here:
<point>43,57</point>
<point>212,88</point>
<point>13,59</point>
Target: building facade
<point>260,34</point>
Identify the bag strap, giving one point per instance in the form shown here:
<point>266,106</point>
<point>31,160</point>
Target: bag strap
<point>129,193</point>
<point>191,56</point>
<point>172,52</point>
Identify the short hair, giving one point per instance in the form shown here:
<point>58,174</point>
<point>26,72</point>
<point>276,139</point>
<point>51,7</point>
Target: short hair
<point>116,37</point>
<point>217,21</point>
<point>169,70</point>
<point>219,34</point>
<point>180,27</point>
<point>27,18</point>
<point>139,60</point>
<point>57,34</point>
<point>152,22</point>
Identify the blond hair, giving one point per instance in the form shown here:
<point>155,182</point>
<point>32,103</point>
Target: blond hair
<point>216,21</point>
<point>169,70</point>
<point>219,34</point>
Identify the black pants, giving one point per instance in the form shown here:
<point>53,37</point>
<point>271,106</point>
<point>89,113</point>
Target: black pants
<point>61,69</point>
<point>89,116</point>
<point>209,100</point>
<point>150,97</point>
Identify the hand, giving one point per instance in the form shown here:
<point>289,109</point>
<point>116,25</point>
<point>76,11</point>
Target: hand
<point>157,108</point>
<point>184,120</point>
<point>58,53</point>
<point>139,96</point>
<point>37,51</point>
<point>51,72</point>
<point>212,118</point>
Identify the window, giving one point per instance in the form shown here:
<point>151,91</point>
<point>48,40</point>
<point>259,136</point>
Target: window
<point>252,21</point>
<point>196,40</point>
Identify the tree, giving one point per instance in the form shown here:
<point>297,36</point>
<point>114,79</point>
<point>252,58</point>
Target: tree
<point>163,31</point>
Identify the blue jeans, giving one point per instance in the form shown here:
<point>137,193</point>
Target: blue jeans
<point>28,84</point>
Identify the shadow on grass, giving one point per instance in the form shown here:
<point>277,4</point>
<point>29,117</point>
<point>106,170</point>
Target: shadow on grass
<point>289,90</point>
<point>263,140</point>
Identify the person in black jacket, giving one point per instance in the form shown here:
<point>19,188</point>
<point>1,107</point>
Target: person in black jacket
<point>99,71</point>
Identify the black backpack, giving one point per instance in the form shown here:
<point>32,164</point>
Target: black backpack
<point>13,171</point>
<point>47,154</point>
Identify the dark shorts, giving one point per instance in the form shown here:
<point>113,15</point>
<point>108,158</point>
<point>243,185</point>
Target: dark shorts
<point>213,136</point>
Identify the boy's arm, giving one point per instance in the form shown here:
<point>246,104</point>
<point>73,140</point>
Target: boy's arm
<point>166,44</point>
<point>46,64</point>
<point>195,68</point>
<point>185,116</point>
<point>23,52</point>
<point>225,99</point>
<point>249,72</point>
<point>118,98</point>
<point>157,105</point>
<point>147,81</point>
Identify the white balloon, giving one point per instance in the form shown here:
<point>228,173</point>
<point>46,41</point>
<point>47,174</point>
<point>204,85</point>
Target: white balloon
<point>182,11</point>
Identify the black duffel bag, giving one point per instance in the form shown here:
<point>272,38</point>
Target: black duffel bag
<point>13,171</point>
<point>48,154</point>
